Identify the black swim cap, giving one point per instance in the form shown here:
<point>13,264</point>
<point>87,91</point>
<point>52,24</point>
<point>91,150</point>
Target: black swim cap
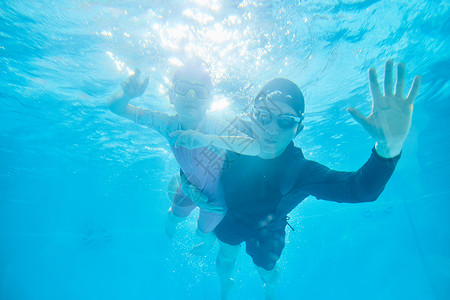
<point>196,67</point>
<point>283,90</point>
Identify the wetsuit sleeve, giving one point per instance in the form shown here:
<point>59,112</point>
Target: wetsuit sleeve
<point>158,121</point>
<point>364,185</point>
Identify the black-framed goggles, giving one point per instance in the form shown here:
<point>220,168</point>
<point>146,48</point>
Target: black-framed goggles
<point>265,117</point>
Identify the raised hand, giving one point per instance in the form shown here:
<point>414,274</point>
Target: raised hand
<point>390,119</point>
<point>132,87</point>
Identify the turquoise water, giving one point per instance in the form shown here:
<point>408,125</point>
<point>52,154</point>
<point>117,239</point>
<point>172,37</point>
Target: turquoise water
<point>83,192</point>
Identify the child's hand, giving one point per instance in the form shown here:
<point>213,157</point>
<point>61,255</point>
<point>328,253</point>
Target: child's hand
<point>132,87</point>
<point>200,199</point>
<point>190,139</point>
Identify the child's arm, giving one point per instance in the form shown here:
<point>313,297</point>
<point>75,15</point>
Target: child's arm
<point>237,143</point>
<point>132,87</point>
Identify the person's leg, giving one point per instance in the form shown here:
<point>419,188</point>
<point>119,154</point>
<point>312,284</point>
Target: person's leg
<point>265,251</point>
<point>181,208</point>
<point>171,223</point>
<point>207,222</point>
<point>270,280</point>
<point>206,242</point>
<point>212,211</point>
<point>225,262</point>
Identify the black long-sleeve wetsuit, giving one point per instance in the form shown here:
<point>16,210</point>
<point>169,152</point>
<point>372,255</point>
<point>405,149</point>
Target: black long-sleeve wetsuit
<point>259,193</point>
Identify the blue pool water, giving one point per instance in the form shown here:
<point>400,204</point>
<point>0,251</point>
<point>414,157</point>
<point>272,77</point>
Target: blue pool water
<point>83,192</point>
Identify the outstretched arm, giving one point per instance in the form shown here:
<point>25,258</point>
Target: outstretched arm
<point>364,185</point>
<point>390,119</point>
<point>241,144</point>
<point>132,88</point>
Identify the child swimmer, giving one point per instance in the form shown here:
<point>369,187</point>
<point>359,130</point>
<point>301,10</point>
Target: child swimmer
<point>191,96</point>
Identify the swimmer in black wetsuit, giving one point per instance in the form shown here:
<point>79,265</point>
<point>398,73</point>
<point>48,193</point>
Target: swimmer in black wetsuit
<point>260,191</point>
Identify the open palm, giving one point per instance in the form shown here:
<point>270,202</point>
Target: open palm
<point>133,87</point>
<point>390,119</point>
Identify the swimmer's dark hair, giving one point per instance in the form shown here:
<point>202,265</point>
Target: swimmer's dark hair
<point>197,66</point>
<point>286,87</point>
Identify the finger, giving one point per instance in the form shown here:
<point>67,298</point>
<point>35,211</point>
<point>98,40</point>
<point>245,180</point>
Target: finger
<point>131,82</point>
<point>175,133</point>
<point>373,84</point>
<point>124,84</point>
<point>359,117</point>
<point>127,86</point>
<point>414,89</point>
<point>178,141</point>
<point>183,178</point>
<point>144,84</point>
<point>217,210</point>
<point>174,139</point>
<point>388,70</point>
<point>400,80</point>
<point>182,139</point>
<point>213,208</point>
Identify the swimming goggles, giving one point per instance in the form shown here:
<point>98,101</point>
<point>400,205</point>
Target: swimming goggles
<point>265,117</point>
<point>183,87</point>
